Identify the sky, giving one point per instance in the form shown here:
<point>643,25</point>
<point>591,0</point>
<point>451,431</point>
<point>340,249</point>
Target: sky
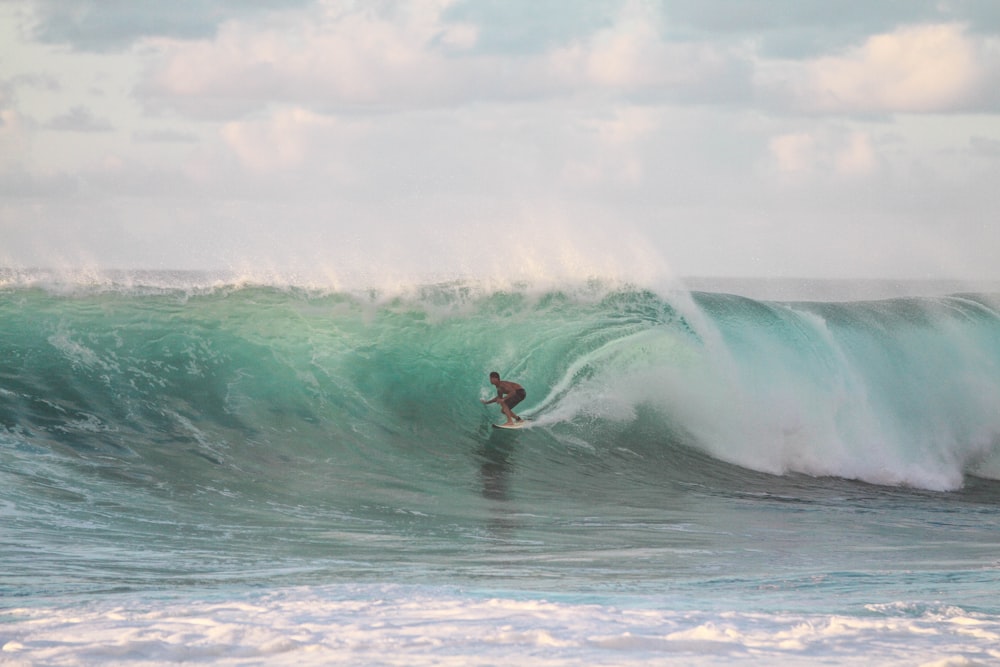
<point>774,138</point>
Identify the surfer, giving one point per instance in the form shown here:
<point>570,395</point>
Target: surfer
<point>513,392</point>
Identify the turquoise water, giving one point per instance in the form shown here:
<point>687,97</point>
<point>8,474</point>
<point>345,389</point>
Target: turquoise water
<point>721,470</point>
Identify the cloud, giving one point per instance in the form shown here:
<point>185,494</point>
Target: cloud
<point>843,153</point>
<point>165,136</point>
<point>79,119</point>
<point>857,156</point>
<point>520,27</point>
<point>611,149</point>
<point>407,56</point>
<point>914,69</point>
<point>328,55</point>
<point>280,142</point>
<point>985,146</point>
<point>794,153</point>
<point>795,29</point>
<point>101,25</point>
<point>627,54</point>
<point>389,56</point>
<point>633,56</point>
<point>37,81</point>
<point>13,137</point>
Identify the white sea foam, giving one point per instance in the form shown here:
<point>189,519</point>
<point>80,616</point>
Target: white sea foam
<point>397,625</point>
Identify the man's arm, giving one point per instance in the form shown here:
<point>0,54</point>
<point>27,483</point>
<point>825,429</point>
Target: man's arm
<point>497,398</point>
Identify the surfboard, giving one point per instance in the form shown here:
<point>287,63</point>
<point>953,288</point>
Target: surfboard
<point>515,425</point>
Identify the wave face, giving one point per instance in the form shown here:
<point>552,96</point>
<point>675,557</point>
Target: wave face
<point>146,426</point>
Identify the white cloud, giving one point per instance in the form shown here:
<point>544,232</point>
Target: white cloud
<point>412,56</point>
<point>857,157</point>
<point>165,136</point>
<point>794,153</point>
<point>630,53</point>
<point>627,125</point>
<point>279,142</point>
<point>920,69</point>
<point>79,119</point>
<point>846,153</point>
<point>13,138</point>
<point>612,148</point>
<point>984,146</point>
<point>633,55</point>
<point>326,55</point>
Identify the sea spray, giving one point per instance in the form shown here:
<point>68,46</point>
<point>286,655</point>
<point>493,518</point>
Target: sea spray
<point>898,391</point>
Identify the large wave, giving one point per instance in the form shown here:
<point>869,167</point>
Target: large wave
<point>185,389</point>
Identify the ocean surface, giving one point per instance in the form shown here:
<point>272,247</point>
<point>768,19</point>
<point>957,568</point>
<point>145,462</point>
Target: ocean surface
<point>214,471</point>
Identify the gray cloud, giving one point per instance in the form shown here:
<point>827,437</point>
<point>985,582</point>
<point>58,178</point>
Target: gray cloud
<point>786,28</point>
<point>18,184</point>
<point>79,119</point>
<point>802,29</point>
<point>526,27</point>
<point>165,136</point>
<point>110,25</point>
<point>985,146</point>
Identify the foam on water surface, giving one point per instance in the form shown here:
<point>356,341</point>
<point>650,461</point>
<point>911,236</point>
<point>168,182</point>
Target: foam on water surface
<point>393,625</point>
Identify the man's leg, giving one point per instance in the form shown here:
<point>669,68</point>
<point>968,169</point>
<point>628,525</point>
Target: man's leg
<point>510,415</point>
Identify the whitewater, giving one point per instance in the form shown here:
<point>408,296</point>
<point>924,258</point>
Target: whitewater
<point>241,472</point>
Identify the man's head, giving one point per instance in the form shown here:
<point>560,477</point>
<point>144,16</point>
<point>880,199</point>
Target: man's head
<point>494,377</point>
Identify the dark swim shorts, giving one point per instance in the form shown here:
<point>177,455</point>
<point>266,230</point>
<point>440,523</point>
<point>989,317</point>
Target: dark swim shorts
<point>515,398</point>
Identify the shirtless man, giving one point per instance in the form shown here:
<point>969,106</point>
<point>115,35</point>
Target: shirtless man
<point>514,394</point>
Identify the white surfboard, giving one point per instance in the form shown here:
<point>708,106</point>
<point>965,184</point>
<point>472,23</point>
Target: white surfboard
<point>515,425</point>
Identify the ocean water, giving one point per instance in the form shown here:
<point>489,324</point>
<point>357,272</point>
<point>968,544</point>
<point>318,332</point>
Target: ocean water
<point>204,470</point>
